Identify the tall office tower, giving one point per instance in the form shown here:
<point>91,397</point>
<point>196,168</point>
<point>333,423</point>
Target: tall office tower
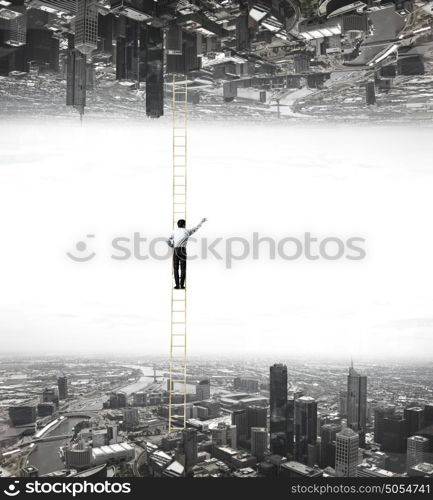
<point>415,419</point>
<point>202,389</point>
<point>278,409</point>
<point>13,23</point>
<point>428,414</point>
<point>245,384</point>
<point>173,41</point>
<point>188,449</point>
<point>224,435</point>
<point>67,6</point>
<point>128,53</point>
<point>50,395</point>
<point>259,442</point>
<point>394,434</point>
<point>328,435</point>
<point>239,419</point>
<point>22,415</point>
<point>417,450</point>
<point>305,426</point>
<point>380,414</point>
<point>186,60</point>
<point>291,425</point>
<point>242,32</point>
<point>346,453</point>
<point>257,416</point>
<point>86,26</point>
<point>62,385</point>
<point>76,78</point>
<point>154,72</point>
<point>370,94</point>
<point>343,403</point>
<point>357,402</point>
<point>131,417</point>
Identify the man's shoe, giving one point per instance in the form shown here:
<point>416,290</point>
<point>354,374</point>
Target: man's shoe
<point>182,288</point>
<point>177,287</point>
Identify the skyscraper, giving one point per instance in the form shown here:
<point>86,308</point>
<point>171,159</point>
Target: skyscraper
<point>415,419</point>
<point>86,26</point>
<point>417,450</point>
<point>305,426</point>
<point>278,409</point>
<point>257,416</point>
<point>202,389</point>
<point>380,414</point>
<point>259,442</point>
<point>224,435</point>
<point>239,418</point>
<point>76,78</point>
<point>62,385</point>
<point>357,402</point>
<point>328,435</point>
<point>189,448</point>
<point>346,453</point>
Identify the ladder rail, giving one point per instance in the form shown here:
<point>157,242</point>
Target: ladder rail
<point>178,317</point>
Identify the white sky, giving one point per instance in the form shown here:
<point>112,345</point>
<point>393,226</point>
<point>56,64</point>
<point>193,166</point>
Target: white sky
<point>59,182</point>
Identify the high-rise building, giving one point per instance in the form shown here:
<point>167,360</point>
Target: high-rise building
<point>50,395</point>
<point>224,435</point>
<point>13,23</point>
<point>357,402</point>
<point>417,450</point>
<point>257,416</point>
<point>154,72</point>
<point>278,409</point>
<point>428,414</point>
<point>22,415</point>
<point>67,6</point>
<point>343,403</point>
<point>246,384</point>
<point>328,435</point>
<point>380,414</point>
<point>131,417</point>
<point>239,419</point>
<point>259,442</point>
<point>346,453</point>
<point>415,419</point>
<point>305,426</point>
<point>394,434</point>
<point>62,385</point>
<point>86,26</point>
<point>46,409</point>
<point>202,389</point>
<point>188,449</point>
<point>140,399</point>
<point>76,78</point>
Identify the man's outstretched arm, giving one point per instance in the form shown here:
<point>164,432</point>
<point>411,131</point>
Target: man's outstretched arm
<point>194,229</point>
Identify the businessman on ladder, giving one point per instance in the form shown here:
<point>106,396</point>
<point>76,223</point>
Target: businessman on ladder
<point>178,240</point>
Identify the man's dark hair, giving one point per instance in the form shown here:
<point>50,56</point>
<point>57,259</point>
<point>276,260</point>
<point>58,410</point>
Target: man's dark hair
<point>181,223</point>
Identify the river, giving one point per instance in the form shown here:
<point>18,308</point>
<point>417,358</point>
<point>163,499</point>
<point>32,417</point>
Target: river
<point>45,456</point>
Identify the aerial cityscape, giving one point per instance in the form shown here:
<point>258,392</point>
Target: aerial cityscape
<point>369,59</point>
<point>295,365</point>
<point>71,417</point>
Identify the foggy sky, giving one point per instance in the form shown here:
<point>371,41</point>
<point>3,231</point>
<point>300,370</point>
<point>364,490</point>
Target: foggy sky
<point>60,182</point>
